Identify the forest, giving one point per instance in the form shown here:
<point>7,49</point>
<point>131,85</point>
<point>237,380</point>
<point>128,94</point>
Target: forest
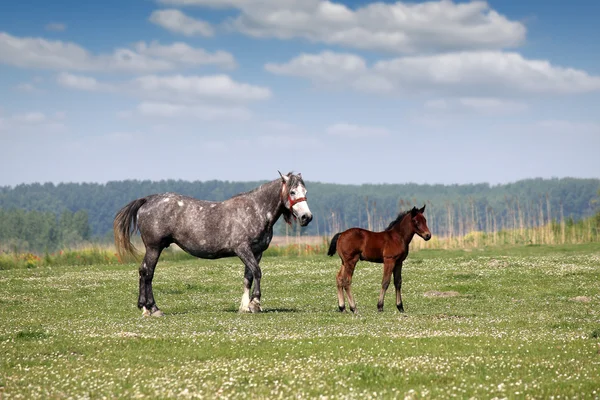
<point>46,217</point>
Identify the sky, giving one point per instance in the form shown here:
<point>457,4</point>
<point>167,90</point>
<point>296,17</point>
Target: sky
<point>348,92</point>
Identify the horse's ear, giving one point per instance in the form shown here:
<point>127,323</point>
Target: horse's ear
<point>284,178</point>
<point>414,212</point>
<point>422,210</point>
<point>299,175</point>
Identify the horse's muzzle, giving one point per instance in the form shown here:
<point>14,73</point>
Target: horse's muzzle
<point>427,236</point>
<point>305,219</point>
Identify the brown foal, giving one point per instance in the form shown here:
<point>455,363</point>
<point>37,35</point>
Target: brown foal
<point>389,247</point>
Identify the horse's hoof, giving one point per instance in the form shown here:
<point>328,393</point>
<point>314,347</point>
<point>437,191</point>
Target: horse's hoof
<point>254,306</point>
<point>157,313</point>
<point>342,308</point>
<point>145,312</point>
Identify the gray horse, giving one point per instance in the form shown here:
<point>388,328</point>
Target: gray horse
<point>240,226</point>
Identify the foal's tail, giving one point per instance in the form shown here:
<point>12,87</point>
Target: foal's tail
<point>333,244</point>
<point>124,226</point>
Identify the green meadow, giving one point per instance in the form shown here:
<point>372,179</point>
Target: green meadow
<point>520,322</point>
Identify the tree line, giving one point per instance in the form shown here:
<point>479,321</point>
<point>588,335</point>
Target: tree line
<point>42,231</point>
<point>450,209</point>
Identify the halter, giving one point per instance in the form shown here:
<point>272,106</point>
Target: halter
<point>290,200</point>
<point>294,202</point>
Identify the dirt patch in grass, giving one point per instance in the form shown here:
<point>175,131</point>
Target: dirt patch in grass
<point>435,293</point>
<point>495,263</point>
<point>581,299</point>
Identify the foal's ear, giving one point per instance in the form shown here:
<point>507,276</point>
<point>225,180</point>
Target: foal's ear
<point>284,178</point>
<point>414,212</point>
<point>422,210</point>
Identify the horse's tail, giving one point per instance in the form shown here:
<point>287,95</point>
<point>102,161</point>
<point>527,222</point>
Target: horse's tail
<point>125,225</point>
<point>333,244</point>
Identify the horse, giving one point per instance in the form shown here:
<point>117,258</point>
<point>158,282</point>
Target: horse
<point>389,247</point>
<point>241,226</point>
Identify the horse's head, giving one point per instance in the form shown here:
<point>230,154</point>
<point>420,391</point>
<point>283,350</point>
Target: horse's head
<point>419,223</point>
<point>293,195</point>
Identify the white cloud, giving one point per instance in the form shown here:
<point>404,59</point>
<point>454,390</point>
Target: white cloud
<point>33,121</point>
<point>211,97</point>
<point>35,117</point>
<point>355,131</point>
<point>196,88</point>
<point>396,28</point>
<point>324,67</point>
<point>202,112</point>
<point>26,87</point>
<point>566,127</point>
<point>27,52</point>
<point>82,82</point>
<point>56,27</point>
<point>184,54</point>
<point>480,105</point>
<point>177,22</point>
<point>466,74</point>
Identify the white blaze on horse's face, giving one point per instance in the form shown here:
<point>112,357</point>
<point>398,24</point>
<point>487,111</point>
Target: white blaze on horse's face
<point>296,201</point>
<point>300,209</point>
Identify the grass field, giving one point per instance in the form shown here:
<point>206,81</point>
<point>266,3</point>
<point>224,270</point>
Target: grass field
<point>525,324</point>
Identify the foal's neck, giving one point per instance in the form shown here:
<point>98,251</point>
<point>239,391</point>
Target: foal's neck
<point>404,229</point>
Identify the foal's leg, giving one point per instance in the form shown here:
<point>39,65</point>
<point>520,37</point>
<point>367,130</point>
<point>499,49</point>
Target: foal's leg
<point>146,298</point>
<point>341,283</point>
<point>398,285</point>
<point>388,266</point>
<point>346,282</point>
<point>252,273</point>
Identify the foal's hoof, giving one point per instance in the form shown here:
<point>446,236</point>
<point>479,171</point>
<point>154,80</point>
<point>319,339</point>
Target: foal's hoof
<point>254,306</point>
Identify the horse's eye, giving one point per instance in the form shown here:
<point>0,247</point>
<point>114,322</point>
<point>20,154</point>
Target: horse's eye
<point>293,193</point>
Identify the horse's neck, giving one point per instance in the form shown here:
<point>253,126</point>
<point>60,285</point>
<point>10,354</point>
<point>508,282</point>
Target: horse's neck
<point>403,230</point>
<point>270,198</point>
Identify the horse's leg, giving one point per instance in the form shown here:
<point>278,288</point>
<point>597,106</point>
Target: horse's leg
<point>248,279</point>
<point>341,283</point>
<point>252,269</point>
<point>398,285</point>
<point>349,266</point>
<point>146,299</point>
<point>388,266</point>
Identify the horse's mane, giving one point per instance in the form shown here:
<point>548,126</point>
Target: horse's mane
<point>294,180</point>
<point>256,189</point>
<point>398,219</point>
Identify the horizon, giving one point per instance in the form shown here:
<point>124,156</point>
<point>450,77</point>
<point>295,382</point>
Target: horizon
<point>260,181</point>
<point>346,92</point>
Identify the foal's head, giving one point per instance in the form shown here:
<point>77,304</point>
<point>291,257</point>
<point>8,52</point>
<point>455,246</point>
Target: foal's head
<point>419,223</point>
<point>293,195</point>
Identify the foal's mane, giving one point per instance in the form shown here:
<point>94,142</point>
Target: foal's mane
<point>398,219</point>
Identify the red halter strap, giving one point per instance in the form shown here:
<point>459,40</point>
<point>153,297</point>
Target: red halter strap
<point>290,200</point>
<point>293,202</point>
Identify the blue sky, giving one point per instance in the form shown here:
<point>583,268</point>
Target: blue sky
<point>342,91</point>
